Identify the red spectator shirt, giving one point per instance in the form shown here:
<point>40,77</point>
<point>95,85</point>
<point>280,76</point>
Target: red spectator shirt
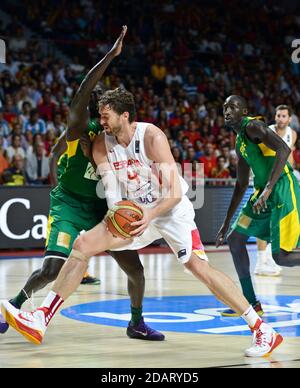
<point>209,165</point>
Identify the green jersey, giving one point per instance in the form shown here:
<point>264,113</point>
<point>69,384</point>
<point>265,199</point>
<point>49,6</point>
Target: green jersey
<point>258,156</point>
<point>78,175</point>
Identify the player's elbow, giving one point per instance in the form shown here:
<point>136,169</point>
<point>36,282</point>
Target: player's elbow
<point>284,152</point>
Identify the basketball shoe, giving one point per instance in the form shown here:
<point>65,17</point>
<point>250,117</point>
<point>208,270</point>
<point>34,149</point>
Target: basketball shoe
<point>3,325</point>
<point>229,313</point>
<point>31,325</point>
<point>88,279</point>
<point>144,332</point>
<point>268,268</point>
<point>264,341</point>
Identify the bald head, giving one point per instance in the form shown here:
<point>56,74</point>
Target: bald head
<point>234,108</point>
<point>241,101</point>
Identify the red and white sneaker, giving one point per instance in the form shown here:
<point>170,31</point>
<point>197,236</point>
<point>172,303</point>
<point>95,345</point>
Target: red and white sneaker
<point>31,325</point>
<point>264,341</point>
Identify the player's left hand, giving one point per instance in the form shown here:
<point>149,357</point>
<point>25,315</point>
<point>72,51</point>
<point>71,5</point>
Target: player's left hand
<point>142,225</point>
<point>117,47</point>
<point>261,204</point>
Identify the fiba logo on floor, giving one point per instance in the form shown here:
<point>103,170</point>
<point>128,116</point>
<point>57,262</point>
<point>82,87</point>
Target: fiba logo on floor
<point>191,314</point>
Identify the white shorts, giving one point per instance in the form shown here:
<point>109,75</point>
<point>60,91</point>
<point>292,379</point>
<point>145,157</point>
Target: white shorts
<point>178,229</point>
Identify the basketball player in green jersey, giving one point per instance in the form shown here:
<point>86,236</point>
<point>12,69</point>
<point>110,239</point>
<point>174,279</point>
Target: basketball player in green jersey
<point>75,205</point>
<point>272,212</point>
<point>57,168</point>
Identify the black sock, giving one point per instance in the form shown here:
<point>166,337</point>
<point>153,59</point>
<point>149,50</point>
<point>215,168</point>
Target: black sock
<point>136,315</point>
<point>19,300</point>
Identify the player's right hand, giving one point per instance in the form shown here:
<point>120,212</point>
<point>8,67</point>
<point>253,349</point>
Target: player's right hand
<point>117,47</point>
<point>221,235</point>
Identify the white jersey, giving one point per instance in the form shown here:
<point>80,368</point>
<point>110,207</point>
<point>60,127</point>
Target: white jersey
<point>136,174</point>
<point>288,137</point>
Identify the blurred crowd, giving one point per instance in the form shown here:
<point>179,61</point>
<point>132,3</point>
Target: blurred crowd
<point>180,60</point>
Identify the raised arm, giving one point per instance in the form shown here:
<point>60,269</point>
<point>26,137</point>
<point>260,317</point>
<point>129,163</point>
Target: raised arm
<point>259,132</point>
<point>242,182</point>
<point>58,149</point>
<point>79,115</point>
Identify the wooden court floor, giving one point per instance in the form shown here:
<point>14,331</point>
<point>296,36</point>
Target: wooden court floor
<point>76,344</point>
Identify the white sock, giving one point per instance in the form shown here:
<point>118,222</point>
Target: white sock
<point>49,299</point>
<point>269,251</point>
<point>261,257</point>
<point>269,257</point>
<point>251,316</point>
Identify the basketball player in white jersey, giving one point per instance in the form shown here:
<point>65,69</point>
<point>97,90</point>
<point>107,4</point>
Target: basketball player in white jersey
<point>265,265</point>
<point>130,157</point>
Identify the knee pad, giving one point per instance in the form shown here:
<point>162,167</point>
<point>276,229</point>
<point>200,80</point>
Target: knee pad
<point>79,256</point>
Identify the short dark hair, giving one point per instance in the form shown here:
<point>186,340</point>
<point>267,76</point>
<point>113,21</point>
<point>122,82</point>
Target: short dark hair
<point>120,100</point>
<point>284,107</point>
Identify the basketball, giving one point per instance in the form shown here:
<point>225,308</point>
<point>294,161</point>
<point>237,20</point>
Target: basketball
<point>120,217</point>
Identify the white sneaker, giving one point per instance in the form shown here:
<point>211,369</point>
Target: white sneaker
<point>31,325</point>
<point>271,263</point>
<point>265,269</point>
<point>264,340</point>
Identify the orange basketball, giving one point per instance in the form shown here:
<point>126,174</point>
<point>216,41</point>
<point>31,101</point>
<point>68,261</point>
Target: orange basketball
<point>120,217</point>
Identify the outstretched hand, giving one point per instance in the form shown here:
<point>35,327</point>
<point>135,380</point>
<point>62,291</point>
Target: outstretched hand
<point>117,47</point>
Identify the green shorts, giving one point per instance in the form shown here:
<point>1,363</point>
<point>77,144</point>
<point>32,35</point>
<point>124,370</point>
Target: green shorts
<point>280,223</point>
<point>68,216</point>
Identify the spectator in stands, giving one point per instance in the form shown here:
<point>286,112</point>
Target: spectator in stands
<point>199,149</point>
<point>225,152</point>
<point>193,132</point>
<point>3,161</point>
<point>209,160</point>
<point>25,115</point>
<point>15,148</point>
<point>4,128</point>
<point>220,172</point>
<point>17,130</point>
<point>37,167</point>
<point>173,78</point>
<point>57,124</point>
<point>15,175</point>
<point>191,155</point>
<point>186,144</point>
<point>50,140</point>
<point>35,124</point>
<point>47,106</point>
<point>190,87</point>
<point>10,112</point>
<point>177,155</point>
